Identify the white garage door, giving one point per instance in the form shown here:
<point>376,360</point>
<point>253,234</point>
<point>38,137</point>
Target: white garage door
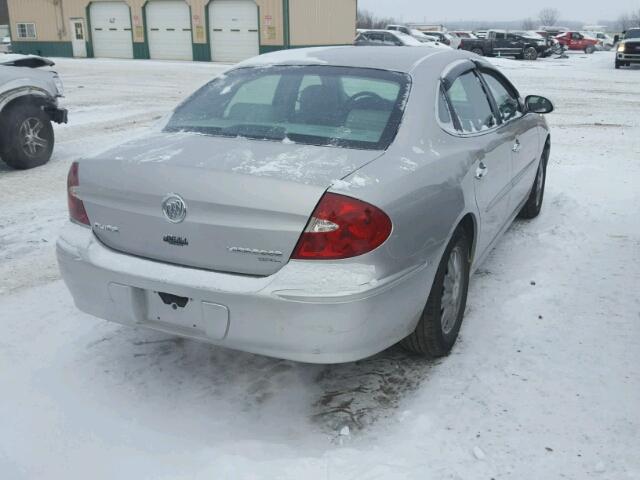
<point>169,30</point>
<point>233,29</point>
<point>111,30</point>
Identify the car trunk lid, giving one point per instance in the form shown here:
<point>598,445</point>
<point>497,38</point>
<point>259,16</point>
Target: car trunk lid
<point>246,201</point>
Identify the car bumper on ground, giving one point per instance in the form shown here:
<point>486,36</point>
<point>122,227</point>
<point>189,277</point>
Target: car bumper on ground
<point>545,51</point>
<point>58,115</point>
<point>307,312</point>
<point>628,57</point>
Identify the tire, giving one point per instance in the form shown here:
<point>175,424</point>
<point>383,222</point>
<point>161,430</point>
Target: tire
<point>530,54</point>
<point>438,328</point>
<point>590,49</point>
<point>478,51</point>
<point>27,136</point>
<point>618,64</point>
<point>532,208</point>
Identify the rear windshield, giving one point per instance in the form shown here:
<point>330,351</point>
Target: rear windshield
<point>314,105</point>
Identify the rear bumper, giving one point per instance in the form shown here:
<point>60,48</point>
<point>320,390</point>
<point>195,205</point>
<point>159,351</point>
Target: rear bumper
<point>306,312</point>
<point>628,57</point>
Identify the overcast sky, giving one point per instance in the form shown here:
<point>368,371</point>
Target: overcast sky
<point>451,10</point>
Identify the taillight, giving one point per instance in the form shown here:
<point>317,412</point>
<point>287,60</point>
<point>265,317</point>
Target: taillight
<point>342,227</point>
<point>77,213</point>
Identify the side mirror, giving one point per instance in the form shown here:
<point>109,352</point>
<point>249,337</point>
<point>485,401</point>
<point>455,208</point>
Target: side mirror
<point>538,104</point>
<point>616,38</point>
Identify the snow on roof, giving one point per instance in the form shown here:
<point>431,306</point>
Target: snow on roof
<point>400,59</point>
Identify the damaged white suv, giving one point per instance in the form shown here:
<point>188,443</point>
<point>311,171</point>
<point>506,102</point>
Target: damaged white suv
<point>28,105</point>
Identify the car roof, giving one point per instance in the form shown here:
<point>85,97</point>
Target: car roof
<point>399,59</point>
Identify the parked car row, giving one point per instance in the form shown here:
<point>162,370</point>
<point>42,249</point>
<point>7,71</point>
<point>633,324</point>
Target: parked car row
<point>522,44</point>
<point>396,38</point>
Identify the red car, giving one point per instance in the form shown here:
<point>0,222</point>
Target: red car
<point>577,41</point>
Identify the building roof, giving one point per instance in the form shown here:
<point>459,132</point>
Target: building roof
<point>400,59</point>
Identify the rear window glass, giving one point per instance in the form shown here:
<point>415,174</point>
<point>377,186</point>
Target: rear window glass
<point>316,105</point>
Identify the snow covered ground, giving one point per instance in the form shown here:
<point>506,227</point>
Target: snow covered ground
<point>544,382</point>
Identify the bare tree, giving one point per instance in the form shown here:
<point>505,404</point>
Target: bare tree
<point>366,20</point>
<point>629,20</point>
<point>549,16</point>
<point>624,22</point>
<point>528,24</point>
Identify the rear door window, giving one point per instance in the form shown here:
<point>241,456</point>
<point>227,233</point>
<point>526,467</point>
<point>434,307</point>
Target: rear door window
<point>470,104</point>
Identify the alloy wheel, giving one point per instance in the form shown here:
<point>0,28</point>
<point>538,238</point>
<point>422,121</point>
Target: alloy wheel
<point>31,142</point>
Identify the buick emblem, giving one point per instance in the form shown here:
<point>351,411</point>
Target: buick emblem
<point>174,208</point>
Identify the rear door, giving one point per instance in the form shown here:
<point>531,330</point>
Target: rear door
<point>499,43</point>
<point>491,149</point>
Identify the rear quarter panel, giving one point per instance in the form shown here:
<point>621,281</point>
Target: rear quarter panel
<point>423,182</point>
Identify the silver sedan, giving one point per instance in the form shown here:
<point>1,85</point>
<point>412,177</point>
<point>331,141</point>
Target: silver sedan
<point>318,205</point>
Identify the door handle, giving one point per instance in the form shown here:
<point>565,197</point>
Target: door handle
<point>481,171</point>
<point>516,146</point>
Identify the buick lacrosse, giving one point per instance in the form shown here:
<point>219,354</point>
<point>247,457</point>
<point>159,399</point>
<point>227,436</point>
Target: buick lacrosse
<point>318,205</point>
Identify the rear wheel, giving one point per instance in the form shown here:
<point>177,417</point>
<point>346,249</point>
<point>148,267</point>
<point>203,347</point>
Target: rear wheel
<point>530,53</point>
<point>532,208</point>
<point>438,328</point>
<point>27,136</point>
<point>590,49</point>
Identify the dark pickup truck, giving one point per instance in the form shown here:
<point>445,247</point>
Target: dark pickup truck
<point>506,44</point>
<point>629,48</point>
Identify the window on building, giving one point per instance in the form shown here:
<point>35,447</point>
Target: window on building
<point>26,30</point>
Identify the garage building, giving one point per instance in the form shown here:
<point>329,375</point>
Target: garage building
<point>203,30</point>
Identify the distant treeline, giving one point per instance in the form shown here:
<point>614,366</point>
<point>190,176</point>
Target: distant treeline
<point>547,16</point>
